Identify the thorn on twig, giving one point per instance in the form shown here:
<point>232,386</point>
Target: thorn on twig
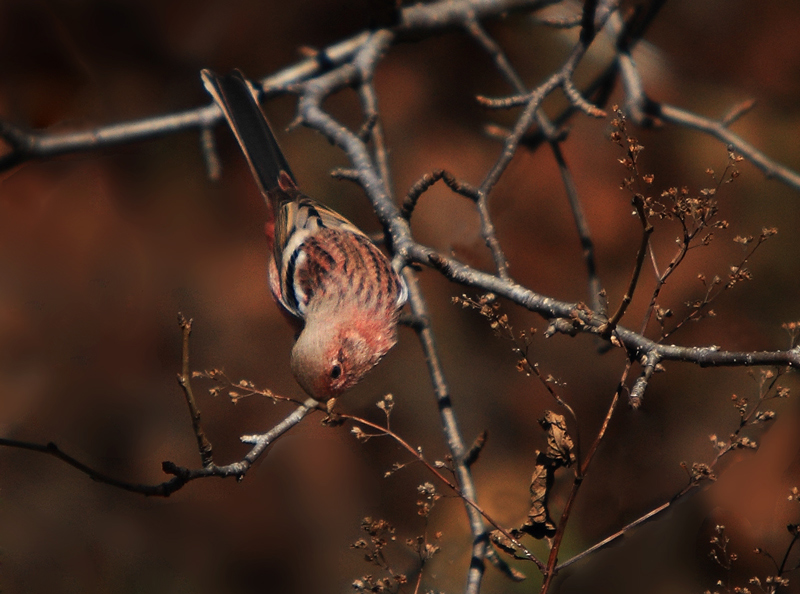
<point>295,123</point>
<point>475,449</point>
<point>366,128</point>
<point>345,174</point>
<point>208,147</point>
<point>306,51</point>
<point>578,100</point>
<point>321,56</point>
<point>496,132</point>
<point>737,111</point>
<point>503,103</point>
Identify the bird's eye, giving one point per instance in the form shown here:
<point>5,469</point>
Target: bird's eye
<point>336,371</point>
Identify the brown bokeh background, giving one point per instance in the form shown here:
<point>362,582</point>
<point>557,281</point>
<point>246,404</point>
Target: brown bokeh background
<point>99,251</point>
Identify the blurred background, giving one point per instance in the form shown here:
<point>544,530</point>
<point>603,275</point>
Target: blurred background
<point>99,251</point>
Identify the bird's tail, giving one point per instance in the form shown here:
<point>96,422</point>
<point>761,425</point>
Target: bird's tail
<point>236,98</point>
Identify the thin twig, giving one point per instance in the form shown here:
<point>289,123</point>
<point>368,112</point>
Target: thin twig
<point>694,484</point>
<point>608,328</point>
<point>451,485</point>
<point>184,379</point>
<point>580,473</point>
<point>718,130</point>
<point>581,225</point>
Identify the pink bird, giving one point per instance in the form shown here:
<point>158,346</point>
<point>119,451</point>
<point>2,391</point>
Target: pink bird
<point>337,287</point>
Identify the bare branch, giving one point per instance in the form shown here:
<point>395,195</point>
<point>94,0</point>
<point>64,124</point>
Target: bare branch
<point>577,319</point>
<point>455,441</point>
<point>718,130</point>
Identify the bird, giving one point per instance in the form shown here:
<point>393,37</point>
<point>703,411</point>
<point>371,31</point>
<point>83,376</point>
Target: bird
<point>338,289</point>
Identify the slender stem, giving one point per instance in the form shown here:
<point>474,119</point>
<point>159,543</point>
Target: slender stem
<point>628,297</point>
<point>184,379</point>
<point>580,473</point>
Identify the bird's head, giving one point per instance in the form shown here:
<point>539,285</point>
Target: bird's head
<point>333,353</point>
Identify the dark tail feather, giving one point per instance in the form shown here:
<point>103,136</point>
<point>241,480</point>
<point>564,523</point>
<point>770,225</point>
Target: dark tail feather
<point>233,95</point>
